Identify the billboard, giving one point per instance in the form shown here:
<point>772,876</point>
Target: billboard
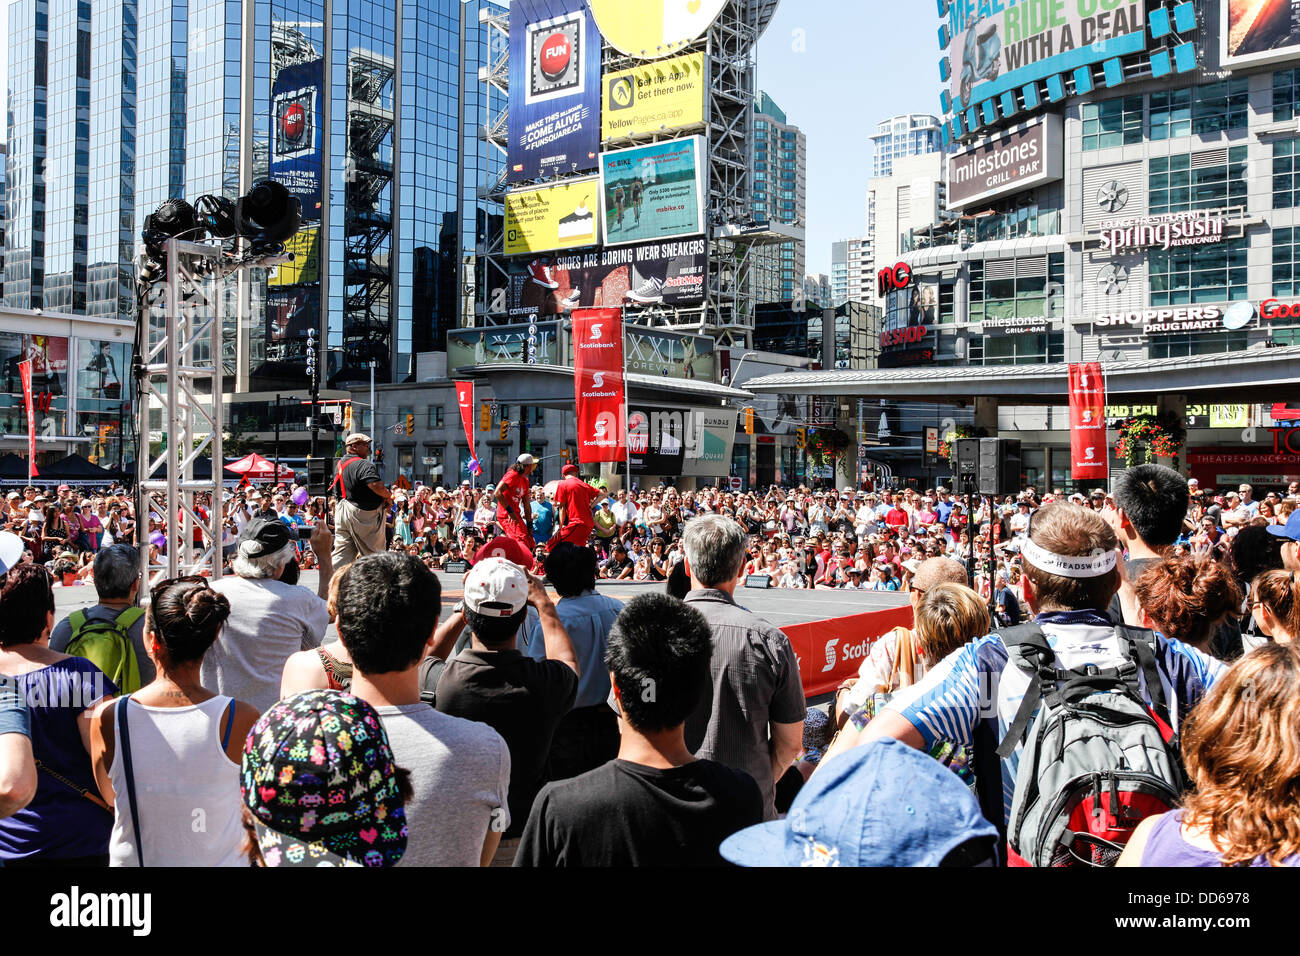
<point>654,191</point>
<point>907,335</point>
<point>649,29</point>
<point>669,354</point>
<point>551,217</point>
<point>499,344</point>
<point>290,312</point>
<point>554,89</point>
<point>995,48</point>
<point>296,133</point>
<point>654,273</point>
<point>1017,160</point>
<point>1258,31</point>
<point>305,267</point>
<point>657,97</point>
<point>711,435</point>
<point>101,369</point>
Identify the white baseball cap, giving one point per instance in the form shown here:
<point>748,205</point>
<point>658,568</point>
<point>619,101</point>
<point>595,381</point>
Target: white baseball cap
<point>525,459</point>
<point>496,588</point>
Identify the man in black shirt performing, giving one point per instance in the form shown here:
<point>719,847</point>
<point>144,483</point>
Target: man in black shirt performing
<point>656,804</point>
<point>363,499</point>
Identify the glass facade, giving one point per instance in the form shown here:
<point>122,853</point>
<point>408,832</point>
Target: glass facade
<point>1194,274</point>
<point>1116,122</point>
<point>1209,180</point>
<point>1200,110</point>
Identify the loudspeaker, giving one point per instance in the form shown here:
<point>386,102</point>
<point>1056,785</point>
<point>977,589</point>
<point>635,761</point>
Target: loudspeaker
<point>988,466</point>
<point>320,472</point>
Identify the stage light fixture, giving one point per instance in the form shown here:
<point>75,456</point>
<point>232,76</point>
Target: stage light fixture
<point>268,214</point>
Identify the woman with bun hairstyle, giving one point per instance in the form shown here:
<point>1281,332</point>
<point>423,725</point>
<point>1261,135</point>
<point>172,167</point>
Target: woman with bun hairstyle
<point>1275,601</point>
<point>1186,599</point>
<point>167,757</point>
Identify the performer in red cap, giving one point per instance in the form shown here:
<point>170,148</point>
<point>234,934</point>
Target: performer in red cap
<point>514,502</point>
<point>573,498</point>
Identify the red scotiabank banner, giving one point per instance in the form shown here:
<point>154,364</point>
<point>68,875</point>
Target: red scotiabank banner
<point>1089,455</point>
<point>830,651</point>
<point>598,385</point>
<point>465,399</point>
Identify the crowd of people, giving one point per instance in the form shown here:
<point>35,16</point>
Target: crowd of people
<point>517,728</point>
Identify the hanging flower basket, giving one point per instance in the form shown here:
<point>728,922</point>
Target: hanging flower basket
<point>825,444</point>
<point>1144,438</point>
<point>948,447</point>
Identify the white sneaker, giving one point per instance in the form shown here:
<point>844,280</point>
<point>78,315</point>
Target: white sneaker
<point>648,292</point>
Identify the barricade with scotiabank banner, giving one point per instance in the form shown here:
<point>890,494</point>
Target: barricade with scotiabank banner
<point>830,651</point>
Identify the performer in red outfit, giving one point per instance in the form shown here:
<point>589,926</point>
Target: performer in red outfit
<point>573,498</point>
<point>514,506</point>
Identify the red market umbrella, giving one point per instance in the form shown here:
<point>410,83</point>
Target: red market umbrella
<point>256,468</point>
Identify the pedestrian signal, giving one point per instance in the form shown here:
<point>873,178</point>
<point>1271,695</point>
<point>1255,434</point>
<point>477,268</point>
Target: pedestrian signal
<point>410,425</point>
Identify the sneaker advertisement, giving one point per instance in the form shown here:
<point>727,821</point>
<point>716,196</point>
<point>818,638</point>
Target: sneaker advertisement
<point>643,276</point>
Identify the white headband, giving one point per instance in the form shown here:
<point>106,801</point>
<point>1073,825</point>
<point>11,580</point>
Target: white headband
<point>1068,566</point>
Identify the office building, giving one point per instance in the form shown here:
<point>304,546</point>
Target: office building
<point>781,196</point>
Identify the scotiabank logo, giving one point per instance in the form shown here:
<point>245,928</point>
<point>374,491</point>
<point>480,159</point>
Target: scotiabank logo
<point>848,652</point>
<point>908,336</point>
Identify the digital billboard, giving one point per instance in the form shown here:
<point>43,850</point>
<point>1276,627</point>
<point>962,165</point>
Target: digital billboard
<point>662,96</point>
<point>296,133</point>
<point>649,274</point>
<point>649,29</point>
<point>668,354</point>
<point>536,342</point>
<point>551,217</point>
<point>1000,46</point>
<point>553,121</point>
<point>1258,31</point>
<point>653,192</point>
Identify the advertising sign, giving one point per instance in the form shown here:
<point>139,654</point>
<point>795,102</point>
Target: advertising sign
<point>654,191</point>
<point>656,441</point>
<point>1199,228</point>
<point>1258,31</point>
<point>100,369</point>
<point>551,217</point>
<point>657,97</point>
<point>1189,319</point>
<point>1088,449</point>
<point>999,46</point>
<point>709,444</point>
<point>535,343</point>
<point>649,29</point>
<point>598,384</point>
<point>554,89</point>
<point>25,372</point>
<point>669,354</point>
<point>290,312</point>
<point>305,267</point>
<point>465,401</point>
<point>654,273</point>
<point>906,336</point>
<point>296,133</point>
<point>1019,159</point>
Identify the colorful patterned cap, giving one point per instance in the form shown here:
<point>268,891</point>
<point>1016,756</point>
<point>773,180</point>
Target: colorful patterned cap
<point>320,779</point>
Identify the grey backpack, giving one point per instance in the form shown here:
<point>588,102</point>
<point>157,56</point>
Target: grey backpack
<point>1097,759</point>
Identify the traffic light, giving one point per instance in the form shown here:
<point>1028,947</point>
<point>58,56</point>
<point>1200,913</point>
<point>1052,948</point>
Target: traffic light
<point>749,421</point>
<point>565,454</point>
<point>347,417</point>
<point>410,425</point>
<point>801,438</point>
<point>505,429</point>
<point>485,418</point>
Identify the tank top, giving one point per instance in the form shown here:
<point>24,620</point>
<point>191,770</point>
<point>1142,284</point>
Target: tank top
<point>1166,846</point>
<point>186,788</point>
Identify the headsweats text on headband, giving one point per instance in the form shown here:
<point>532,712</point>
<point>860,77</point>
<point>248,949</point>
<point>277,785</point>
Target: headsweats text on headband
<point>1068,566</point>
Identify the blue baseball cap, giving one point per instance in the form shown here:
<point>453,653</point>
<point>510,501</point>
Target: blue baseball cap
<point>1290,530</point>
<point>880,804</point>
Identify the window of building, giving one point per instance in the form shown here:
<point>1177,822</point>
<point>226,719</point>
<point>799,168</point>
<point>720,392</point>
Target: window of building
<point>1285,336</point>
<point>1286,266</point>
<point>1212,108</point>
<point>1286,95</point>
<point>1181,346</point>
<point>947,303</point>
<point>1286,183</point>
<point>1193,274</point>
<point>435,416</point>
<point>1014,288</point>
<point>1116,122</point>
<point>1208,180</point>
<point>1003,349</point>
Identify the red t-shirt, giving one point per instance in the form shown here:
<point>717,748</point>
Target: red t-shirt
<point>896,518</point>
<point>576,496</point>
<point>512,492</point>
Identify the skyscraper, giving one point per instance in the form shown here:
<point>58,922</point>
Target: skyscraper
<point>909,135</point>
<point>368,111</point>
<point>780,195</point>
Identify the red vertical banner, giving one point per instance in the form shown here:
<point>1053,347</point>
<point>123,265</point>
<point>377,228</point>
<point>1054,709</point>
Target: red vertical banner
<point>1089,453</point>
<point>465,399</point>
<point>599,386</point>
<point>25,373</point>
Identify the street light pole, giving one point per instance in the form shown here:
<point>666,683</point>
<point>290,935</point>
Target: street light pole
<point>276,416</point>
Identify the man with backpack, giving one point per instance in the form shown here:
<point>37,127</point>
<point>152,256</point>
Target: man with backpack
<point>111,634</point>
<point>1072,720</point>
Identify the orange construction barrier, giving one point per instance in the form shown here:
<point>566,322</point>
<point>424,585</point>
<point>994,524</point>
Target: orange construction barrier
<point>829,651</point>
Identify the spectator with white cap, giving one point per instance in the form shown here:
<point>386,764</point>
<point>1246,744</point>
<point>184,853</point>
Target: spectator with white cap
<point>490,681</point>
<point>361,508</point>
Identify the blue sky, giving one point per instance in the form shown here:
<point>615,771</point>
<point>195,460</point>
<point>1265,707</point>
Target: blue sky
<point>862,62</point>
